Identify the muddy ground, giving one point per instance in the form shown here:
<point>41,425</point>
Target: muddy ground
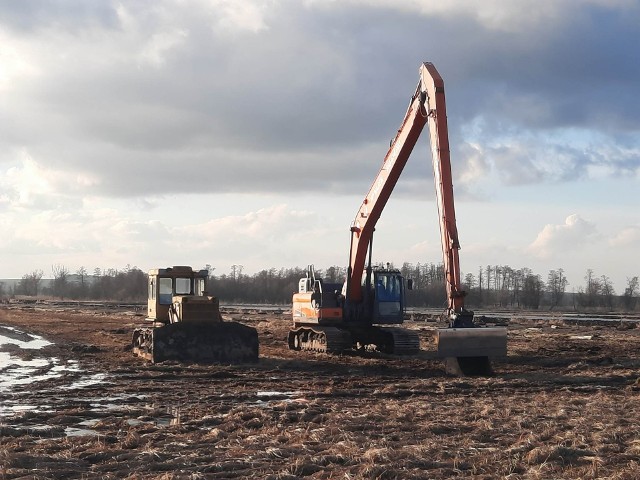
<point>565,403</point>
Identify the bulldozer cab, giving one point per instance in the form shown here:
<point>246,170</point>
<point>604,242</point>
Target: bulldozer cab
<point>166,283</point>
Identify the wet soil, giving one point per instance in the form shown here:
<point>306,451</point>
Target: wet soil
<point>564,403</point>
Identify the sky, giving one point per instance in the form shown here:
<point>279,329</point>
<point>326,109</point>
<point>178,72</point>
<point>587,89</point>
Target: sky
<point>152,133</point>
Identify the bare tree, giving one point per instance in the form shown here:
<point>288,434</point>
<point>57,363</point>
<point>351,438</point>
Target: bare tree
<point>60,283</point>
<point>556,286</point>
<point>470,281</point>
<point>630,293</point>
<point>608,293</point>
<point>209,269</point>
<point>590,295</point>
<point>531,290</point>
<point>82,273</point>
<point>30,283</point>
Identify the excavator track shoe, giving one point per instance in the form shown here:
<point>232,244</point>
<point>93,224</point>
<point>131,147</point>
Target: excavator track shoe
<point>389,340</point>
<point>320,339</point>
<point>404,342</point>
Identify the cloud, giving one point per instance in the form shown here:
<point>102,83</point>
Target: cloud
<point>557,239</point>
<point>627,237</point>
<point>496,14</point>
<point>31,186</point>
<point>137,87</point>
<point>115,112</point>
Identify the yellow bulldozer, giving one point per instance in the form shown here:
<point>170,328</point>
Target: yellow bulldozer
<point>184,322</point>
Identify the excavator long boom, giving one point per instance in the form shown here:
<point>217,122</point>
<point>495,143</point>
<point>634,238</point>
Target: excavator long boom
<point>427,106</point>
<point>465,347</point>
<point>381,189</point>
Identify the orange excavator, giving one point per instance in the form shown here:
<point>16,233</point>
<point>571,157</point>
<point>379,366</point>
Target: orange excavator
<point>334,318</point>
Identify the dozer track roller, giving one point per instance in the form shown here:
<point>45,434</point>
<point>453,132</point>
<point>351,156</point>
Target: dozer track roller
<point>198,342</point>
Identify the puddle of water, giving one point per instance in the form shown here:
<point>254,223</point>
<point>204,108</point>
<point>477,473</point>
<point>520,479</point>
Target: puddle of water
<point>9,410</point>
<point>16,371</point>
<point>171,418</point>
<point>269,394</point>
<point>266,398</point>
<point>22,339</point>
<point>115,402</point>
<point>87,381</point>
<point>71,366</point>
<point>79,432</point>
<point>90,422</point>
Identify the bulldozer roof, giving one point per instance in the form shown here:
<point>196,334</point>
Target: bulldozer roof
<point>178,270</point>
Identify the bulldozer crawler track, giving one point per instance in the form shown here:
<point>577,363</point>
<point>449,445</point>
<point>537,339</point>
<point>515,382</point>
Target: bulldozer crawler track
<point>143,343</point>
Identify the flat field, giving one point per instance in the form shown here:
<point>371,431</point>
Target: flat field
<point>75,403</point>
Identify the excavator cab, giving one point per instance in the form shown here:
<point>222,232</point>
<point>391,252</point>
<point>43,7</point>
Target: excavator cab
<point>186,324</point>
<point>388,295</point>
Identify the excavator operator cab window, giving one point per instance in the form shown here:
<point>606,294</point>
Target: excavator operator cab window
<point>388,294</point>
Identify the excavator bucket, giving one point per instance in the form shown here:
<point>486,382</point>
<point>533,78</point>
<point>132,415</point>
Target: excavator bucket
<point>467,350</point>
<point>198,342</point>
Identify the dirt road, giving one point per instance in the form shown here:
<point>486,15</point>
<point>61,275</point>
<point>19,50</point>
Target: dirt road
<point>565,403</point>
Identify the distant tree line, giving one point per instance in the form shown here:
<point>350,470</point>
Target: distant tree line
<point>128,284</point>
<point>493,286</point>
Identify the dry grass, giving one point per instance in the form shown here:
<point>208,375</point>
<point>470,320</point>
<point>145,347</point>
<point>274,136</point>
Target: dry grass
<point>555,410</point>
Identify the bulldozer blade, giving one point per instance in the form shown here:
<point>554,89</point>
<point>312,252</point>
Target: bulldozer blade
<point>201,342</point>
<point>467,350</point>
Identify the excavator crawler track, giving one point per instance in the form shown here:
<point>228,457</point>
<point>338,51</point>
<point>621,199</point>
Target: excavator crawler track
<point>395,341</point>
<point>389,340</point>
<point>404,342</point>
<point>320,339</point>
